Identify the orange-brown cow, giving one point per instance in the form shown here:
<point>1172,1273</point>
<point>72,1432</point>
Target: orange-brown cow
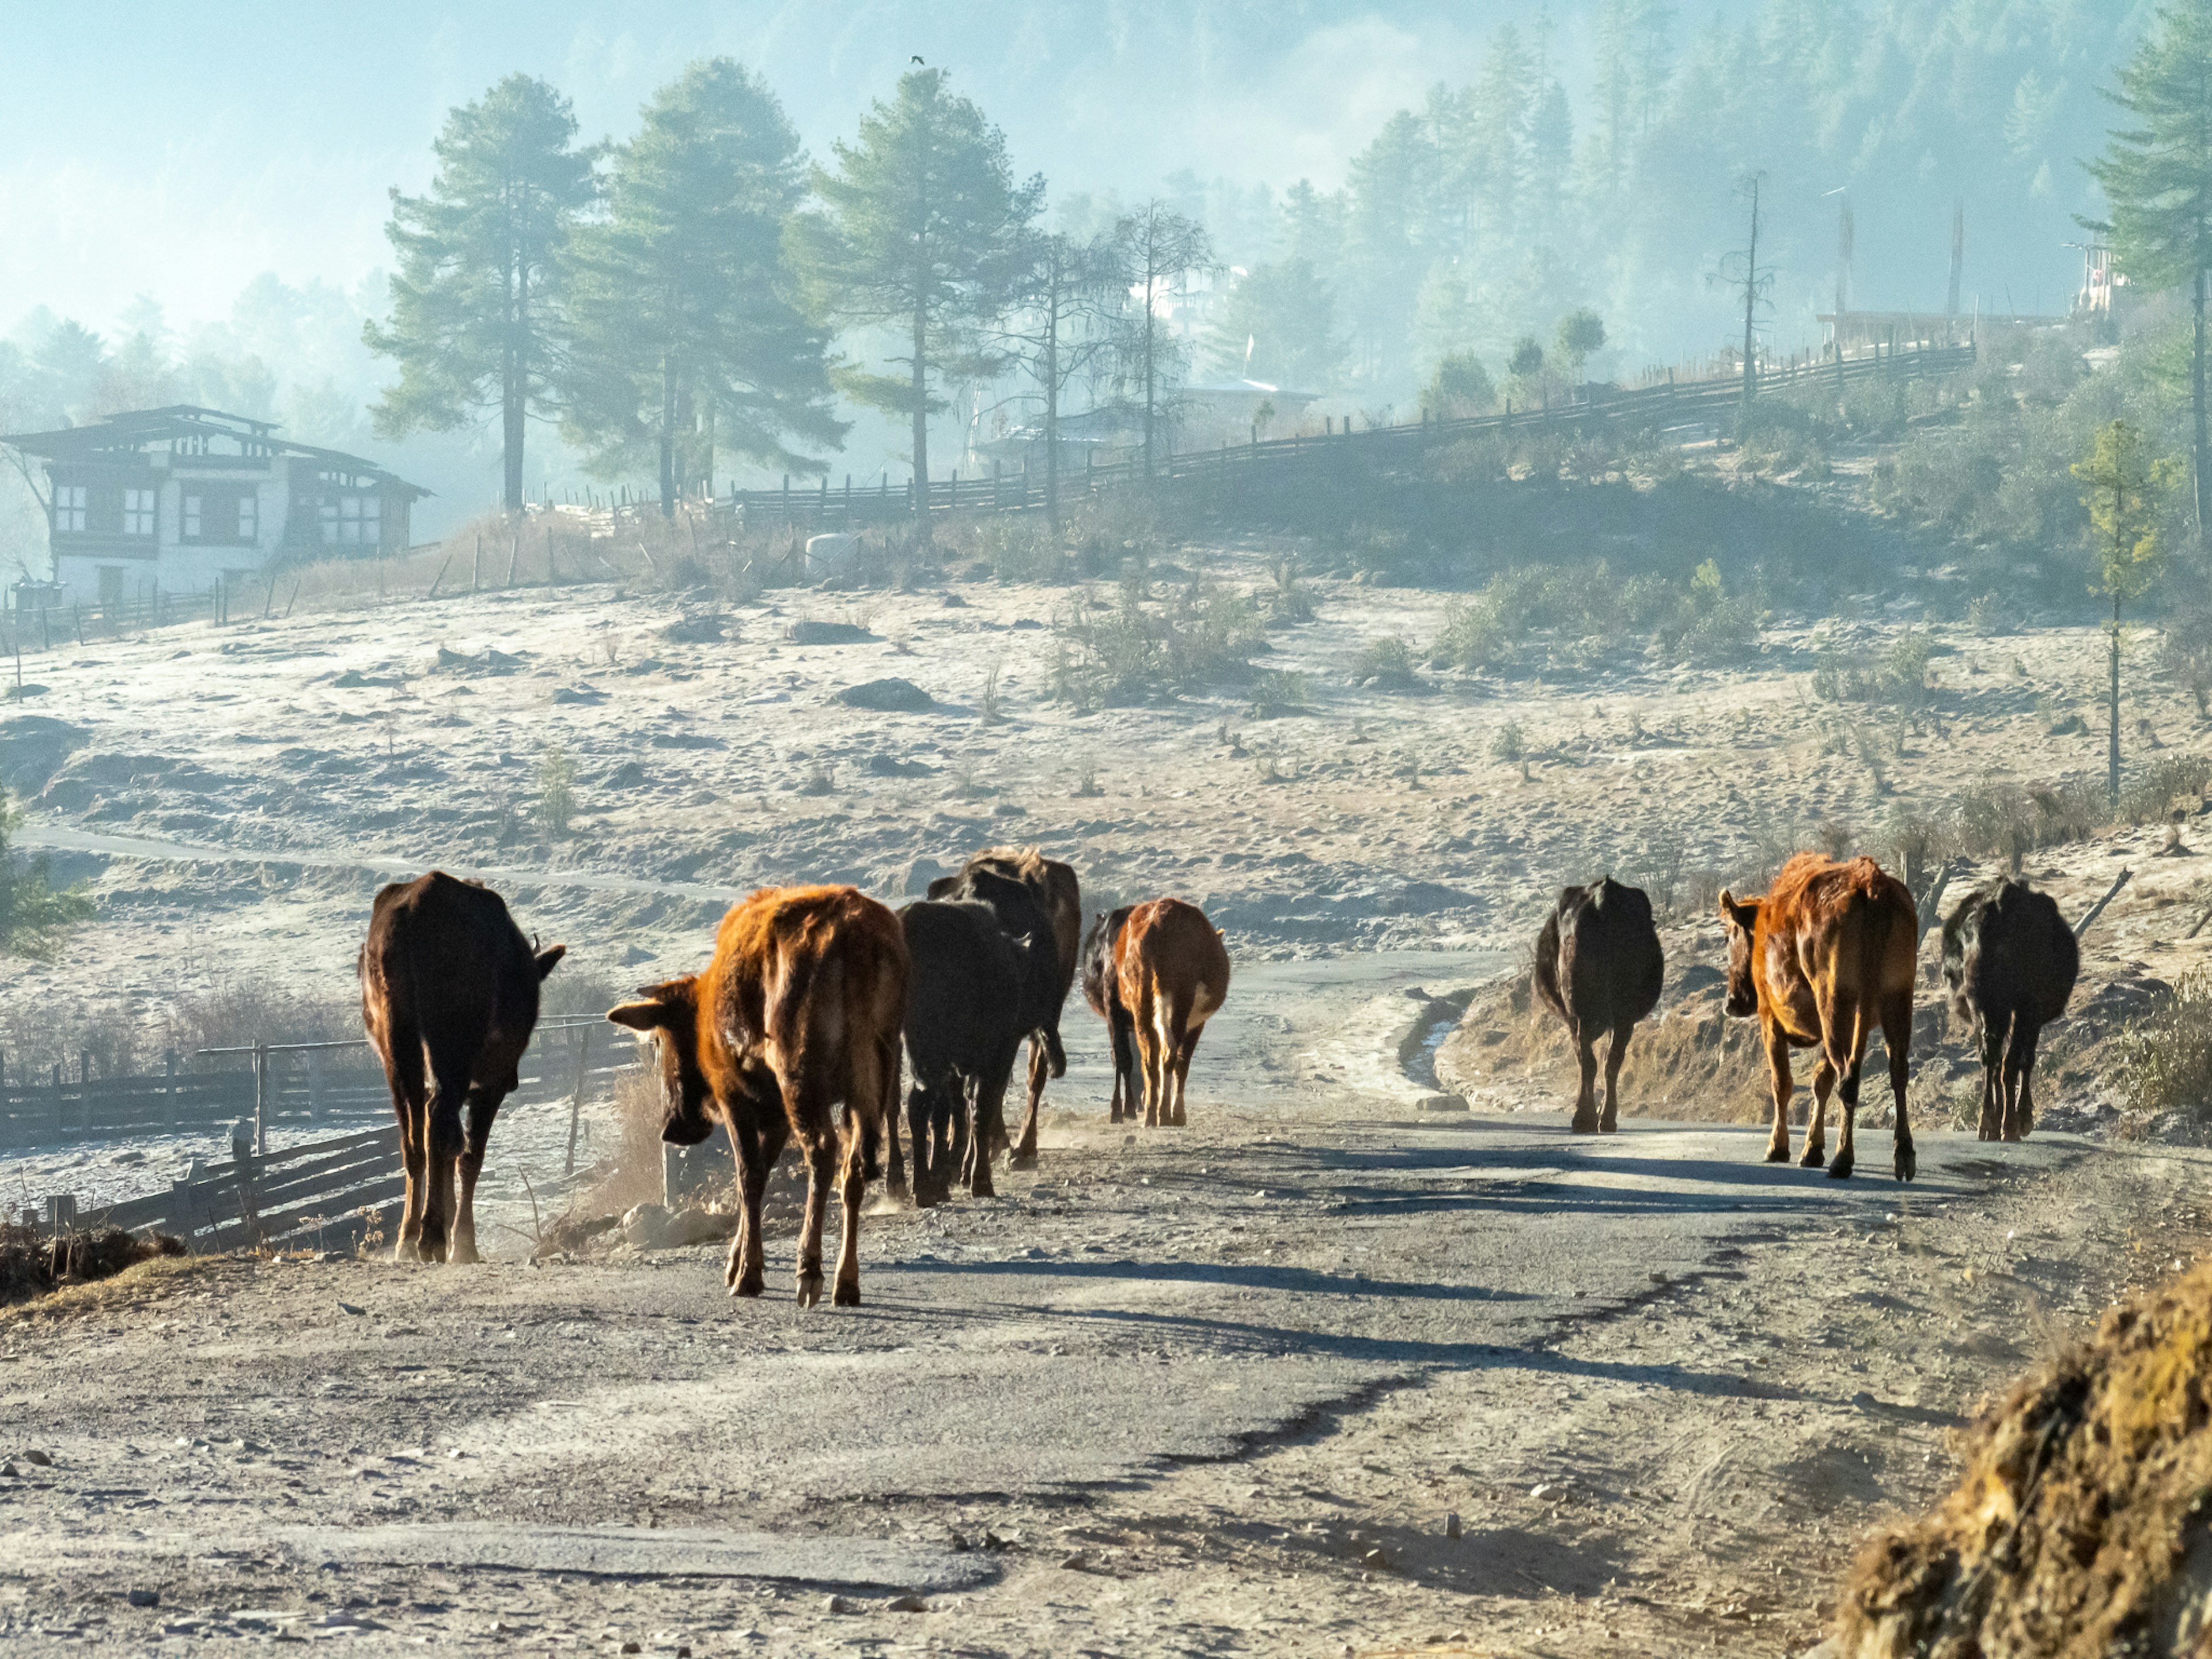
<point>800,1008</point>
<point>449,999</point>
<point>1828,951</point>
<point>1173,972</point>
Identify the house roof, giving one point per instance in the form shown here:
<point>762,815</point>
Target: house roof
<point>139,430</point>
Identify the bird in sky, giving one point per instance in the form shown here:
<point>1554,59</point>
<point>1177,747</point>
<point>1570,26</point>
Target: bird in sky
<point>917,58</point>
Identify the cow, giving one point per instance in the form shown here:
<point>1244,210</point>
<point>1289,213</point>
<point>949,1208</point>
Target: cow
<point>1829,950</point>
<point>1173,972</point>
<point>1051,916</point>
<point>1102,989</point>
<point>963,1031</point>
<point>2010,962</point>
<point>449,999</point>
<point>800,1009</point>
<point>1599,966</point>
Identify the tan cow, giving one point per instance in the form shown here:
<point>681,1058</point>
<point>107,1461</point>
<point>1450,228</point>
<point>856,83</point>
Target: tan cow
<point>800,1009</point>
<point>1173,971</point>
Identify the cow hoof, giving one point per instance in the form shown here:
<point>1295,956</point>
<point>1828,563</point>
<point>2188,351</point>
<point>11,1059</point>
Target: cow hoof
<point>1609,1126</point>
<point>463,1256</point>
<point>1582,1126</point>
<point>1023,1161</point>
<point>748,1285</point>
<point>1840,1170</point>
<point>1815,1156</point>
<point>1908,1164</point>
<point>846,1296</point>
<point>810,1290</point>
<point>1778,1154</point>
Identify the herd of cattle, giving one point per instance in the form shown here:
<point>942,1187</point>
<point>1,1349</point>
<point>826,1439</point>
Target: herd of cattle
<point>813,991</point>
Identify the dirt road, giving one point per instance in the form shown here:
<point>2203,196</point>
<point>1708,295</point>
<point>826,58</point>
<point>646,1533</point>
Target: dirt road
<point>1212,1392</point>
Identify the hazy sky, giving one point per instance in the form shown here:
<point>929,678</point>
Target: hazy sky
<point>179,151</point>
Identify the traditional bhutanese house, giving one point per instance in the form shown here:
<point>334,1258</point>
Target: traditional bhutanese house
<point>184,499</point>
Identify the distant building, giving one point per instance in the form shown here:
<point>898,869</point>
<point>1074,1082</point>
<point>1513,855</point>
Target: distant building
<point>184,499</point>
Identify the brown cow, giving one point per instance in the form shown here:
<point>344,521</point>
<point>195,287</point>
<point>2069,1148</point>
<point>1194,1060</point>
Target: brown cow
<point>1173,971</point>
<point>1829,950</point>
<point>449,997</point>
<point>1059,897</point>
<point>800,1008</point>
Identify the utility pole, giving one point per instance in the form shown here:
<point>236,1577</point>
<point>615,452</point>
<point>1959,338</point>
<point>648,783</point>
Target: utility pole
<point>1958,251</point>
<point>1752,282</point>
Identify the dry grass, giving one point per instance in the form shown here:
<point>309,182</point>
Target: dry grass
<point>630,1174</point>
<point>2078,1527</point>
<point>33,1264</point>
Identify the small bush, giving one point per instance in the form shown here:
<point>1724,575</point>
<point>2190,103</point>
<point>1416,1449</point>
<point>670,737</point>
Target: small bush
<point>1111,656</point>
<point>556,790</point>
<point>2165,1058</point>
<point>1277,692</point>
<point>1509,743</point>
<point>36,916</point>
<point>1388,662</point>
<point>2151,794</point>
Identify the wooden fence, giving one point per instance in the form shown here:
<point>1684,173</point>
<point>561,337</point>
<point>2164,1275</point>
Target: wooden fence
<point>1666,403</point>
<point>276,1087</point>
<point>314,1193</point>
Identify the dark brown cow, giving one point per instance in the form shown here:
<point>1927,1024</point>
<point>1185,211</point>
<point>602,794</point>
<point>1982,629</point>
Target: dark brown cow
<point>449,997</point>
<point>1102,989</point>
<point>2010,962</point>
<point>800,1009</point>
<point>1173,971</point>
<point>1059,898</point>
<point>1827,952</point>
<point>1599,967</point>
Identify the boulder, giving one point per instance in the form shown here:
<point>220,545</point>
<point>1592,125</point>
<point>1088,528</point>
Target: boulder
<point>891,696</point>
<point>833,556</point>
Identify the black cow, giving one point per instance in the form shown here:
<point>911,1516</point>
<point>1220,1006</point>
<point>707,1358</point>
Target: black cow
<point>1599,966</point>
<point>1102,989</point>
<point>1026,921</point>
<point>2010,962</point>
<point>963,1030</point>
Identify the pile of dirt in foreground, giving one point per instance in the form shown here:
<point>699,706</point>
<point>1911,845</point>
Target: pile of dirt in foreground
<point>2084,1523</point>
<point>32,1264</point>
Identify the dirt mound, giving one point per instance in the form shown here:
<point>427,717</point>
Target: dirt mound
<point>2081,1526</point>
<point>32,1264</point>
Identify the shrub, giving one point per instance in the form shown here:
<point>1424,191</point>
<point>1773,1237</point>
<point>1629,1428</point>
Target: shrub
<point>556,790</point>
<point>35,916</point>
<point>2151,794</point>
<point>1510,744</point>
<point>2165,1057</point>
<point>1388,662</point>
<point>1110,656</point>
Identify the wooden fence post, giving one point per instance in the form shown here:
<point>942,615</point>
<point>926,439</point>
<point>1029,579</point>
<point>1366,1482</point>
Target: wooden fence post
<point>315,1083</point>
<point>260,1098</point>
<point>58,1101</point>
<point>576,1101</point>
<point>169,1090</point>
<point>84,1092</point>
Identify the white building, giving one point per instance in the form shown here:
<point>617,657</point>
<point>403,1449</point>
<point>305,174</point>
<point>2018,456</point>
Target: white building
<point>184,499</point>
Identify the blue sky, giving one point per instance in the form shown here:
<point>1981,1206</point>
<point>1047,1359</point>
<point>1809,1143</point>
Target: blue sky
<point>179,150</point>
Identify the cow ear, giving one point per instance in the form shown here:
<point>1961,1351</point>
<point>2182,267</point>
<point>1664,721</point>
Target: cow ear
<point>548,958</point>
<point>645,1016</point>
<point>665,1004</point>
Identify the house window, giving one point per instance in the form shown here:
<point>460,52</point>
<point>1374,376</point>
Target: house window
<point>137,512</point>
<point>192,531</point>
<point>352,522</point>
<point>249,516</point>
<point>68,509</point>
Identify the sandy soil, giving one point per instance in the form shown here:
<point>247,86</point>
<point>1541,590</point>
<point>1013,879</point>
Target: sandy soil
<point>1190,1384</point>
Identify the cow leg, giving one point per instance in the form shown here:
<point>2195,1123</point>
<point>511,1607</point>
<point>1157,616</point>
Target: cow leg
<point>1615,1052</point>
<point>403,1071</point>
<point>1176,1033</point>
<point>1122,1036</point>
<point>1025,1145</point>
<point>449,1089</point>
<point>1897,1037</point>
<point>483,1108</point>
<point>895,1182</point>
<point>1184,1050</point>
<point>1816,1131</point>
<point>1994,1033</point>
<point>1778,1079</point>
<point>747,1267</point>
<point>2019,1080</point>
<point>820,1151</point>
<point>1844,1045</point>
<point>989,1105</point>
<point>871,1089</point>
<point>1147,1039</point>
<point>1584,1121</point>
<point>922,1129</point>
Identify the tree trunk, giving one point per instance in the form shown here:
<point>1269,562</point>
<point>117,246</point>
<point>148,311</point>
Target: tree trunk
<point>920,415</point>
<point>2196,396</point>
<point>514,391</point>
<point>1052,405</point>
<point>1148,355</point>
<point>1750,297</point>
<point>667,435</point>
<point>2112,748</point>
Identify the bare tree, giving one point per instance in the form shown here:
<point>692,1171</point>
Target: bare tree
<point>1061,333</point>
<point>1158,249</point>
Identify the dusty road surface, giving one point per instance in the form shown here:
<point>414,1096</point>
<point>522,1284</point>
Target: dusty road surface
<point>1212,1391</point>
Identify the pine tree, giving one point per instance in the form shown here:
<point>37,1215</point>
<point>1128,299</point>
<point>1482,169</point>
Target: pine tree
<point>35,916</point>
<point>690,336</point>
<point>1069,294</point>
<point>1285,316</point>
<point>2121,485</point>
<point>1500,107</point>
<point>1158,250</point>
<point>2157,176</point>
<point>476,320</point>
<point>922,227</point>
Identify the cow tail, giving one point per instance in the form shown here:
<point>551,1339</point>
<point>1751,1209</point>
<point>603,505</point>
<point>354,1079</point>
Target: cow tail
<point>1873,935</point>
